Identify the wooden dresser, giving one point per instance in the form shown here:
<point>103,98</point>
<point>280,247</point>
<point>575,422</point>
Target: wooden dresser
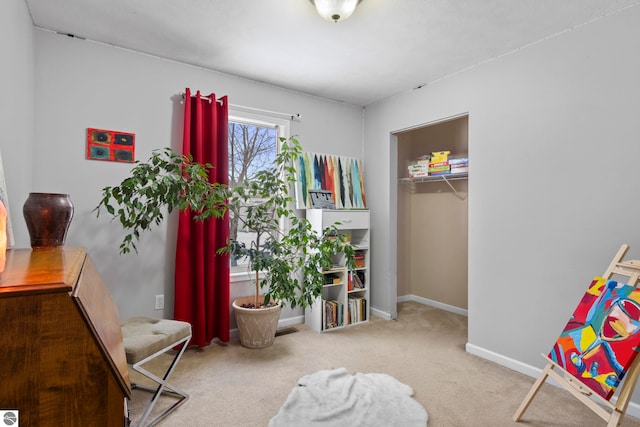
<point>63,360</point>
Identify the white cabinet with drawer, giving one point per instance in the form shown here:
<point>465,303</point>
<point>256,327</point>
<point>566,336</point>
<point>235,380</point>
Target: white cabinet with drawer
<point>343,219</point>
<point>345,297</point>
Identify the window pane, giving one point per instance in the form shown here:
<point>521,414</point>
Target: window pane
<point>251,148</point>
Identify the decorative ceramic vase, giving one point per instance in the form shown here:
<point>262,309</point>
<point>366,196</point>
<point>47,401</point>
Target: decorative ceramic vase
<point>48,216</point>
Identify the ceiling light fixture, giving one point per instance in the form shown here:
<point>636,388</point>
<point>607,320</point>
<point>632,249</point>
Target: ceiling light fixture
<point>335,10</point>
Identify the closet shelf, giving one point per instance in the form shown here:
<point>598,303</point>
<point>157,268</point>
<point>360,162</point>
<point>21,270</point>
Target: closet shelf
<point>436,178</point>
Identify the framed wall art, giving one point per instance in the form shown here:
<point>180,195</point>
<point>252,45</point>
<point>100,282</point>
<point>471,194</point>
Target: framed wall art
<point>110,145</point>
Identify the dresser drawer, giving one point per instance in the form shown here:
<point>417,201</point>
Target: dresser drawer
<point>347,219</point>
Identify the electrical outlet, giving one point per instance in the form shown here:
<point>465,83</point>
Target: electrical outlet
<point>159,302</point>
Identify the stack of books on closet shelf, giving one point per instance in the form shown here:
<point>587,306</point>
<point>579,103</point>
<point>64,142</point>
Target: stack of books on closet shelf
<point>439,163</point>
<point>420,167</point>
<point>459,165</point>
<point>418,170</point>
<point>440,168</point>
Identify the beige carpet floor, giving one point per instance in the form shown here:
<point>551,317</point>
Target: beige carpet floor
<point>234,386</point>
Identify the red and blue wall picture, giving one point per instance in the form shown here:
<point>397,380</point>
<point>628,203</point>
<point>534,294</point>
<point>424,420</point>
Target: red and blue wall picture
<point>110,145</point>
<point>601,339</point>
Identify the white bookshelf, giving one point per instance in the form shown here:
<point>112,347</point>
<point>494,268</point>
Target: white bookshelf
<point>340,304</point>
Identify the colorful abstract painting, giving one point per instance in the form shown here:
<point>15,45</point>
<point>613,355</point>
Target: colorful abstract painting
<point>600,341</point>
<point>110,145</point>
<point>343,176</point>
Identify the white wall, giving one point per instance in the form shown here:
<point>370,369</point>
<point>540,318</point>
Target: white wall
<point>554,177</point>
<point>16,108</point>
<point>81,84</point>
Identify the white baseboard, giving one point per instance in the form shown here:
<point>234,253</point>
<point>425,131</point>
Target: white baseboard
<point>505,361</point>
<point>290,321</point>
<point>379,313</point>
<point>632,410</point>
<point>433,303</point>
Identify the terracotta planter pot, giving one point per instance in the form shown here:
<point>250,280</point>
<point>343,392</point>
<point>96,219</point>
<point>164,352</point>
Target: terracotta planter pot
<point>256,326</point>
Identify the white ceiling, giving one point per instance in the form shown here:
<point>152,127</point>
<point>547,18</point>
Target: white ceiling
<point>386,47</point>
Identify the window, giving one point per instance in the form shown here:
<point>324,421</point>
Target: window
<point>253,144</point>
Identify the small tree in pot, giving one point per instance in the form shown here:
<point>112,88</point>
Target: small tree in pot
<point>285,257</point>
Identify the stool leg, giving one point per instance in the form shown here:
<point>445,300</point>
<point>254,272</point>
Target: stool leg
<point>162,384</point>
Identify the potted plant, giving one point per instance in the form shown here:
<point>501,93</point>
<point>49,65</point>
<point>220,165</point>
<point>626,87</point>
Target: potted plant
<point>166,181</point>
<point>285,256</point>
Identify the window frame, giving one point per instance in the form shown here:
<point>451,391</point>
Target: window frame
<point>282,127</point>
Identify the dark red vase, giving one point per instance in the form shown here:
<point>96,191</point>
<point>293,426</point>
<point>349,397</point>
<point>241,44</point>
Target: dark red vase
<point>48,216</point>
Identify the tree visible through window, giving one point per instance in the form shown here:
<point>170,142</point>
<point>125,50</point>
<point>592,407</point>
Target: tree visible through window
<point>252,147</point>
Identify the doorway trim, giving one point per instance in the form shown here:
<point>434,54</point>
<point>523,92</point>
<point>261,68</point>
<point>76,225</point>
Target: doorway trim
<point>393,203</point>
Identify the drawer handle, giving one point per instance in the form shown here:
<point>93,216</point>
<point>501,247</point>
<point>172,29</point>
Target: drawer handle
<point>346,221</point>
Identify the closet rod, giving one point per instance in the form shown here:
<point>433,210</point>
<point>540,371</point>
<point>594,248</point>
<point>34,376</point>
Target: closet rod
<point>296,116</point>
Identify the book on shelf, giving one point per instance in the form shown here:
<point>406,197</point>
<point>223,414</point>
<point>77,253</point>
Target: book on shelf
<point>333,314</point>
<point>439,168</point>
<point>417,170</point>
<point>332,279</point>
<point>440,156</point>
<point>439,164</point>
<point>356,309</point>
<point>356,280</point>
<point>458,161</point>
<point>459,169</point>
<point>361,278</point>
<point>418,175</point>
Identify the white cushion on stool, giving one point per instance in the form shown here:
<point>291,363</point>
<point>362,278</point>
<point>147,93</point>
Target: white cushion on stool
<point>144,336</point>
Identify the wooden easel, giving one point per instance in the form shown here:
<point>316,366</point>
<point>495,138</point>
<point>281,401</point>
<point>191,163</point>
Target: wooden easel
<point>611,413</point>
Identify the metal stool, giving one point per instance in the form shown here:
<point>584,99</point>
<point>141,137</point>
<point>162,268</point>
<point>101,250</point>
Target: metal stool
<point>146,338</point>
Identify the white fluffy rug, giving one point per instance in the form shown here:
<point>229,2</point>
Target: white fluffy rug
<point>337,398</point>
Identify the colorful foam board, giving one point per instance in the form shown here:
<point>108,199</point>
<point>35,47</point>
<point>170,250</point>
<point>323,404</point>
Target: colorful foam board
<point>343,176</point>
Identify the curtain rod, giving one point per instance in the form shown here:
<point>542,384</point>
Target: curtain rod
<point>296,116</point>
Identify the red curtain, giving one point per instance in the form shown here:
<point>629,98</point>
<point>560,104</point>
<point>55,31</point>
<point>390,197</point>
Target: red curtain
<point>202,276</point>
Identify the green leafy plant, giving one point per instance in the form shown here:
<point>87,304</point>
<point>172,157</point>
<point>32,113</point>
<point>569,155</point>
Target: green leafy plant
<point>286,256</point>
<point>165,182</point>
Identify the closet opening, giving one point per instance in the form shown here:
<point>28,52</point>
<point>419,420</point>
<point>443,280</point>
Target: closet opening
<point>432,214</point>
